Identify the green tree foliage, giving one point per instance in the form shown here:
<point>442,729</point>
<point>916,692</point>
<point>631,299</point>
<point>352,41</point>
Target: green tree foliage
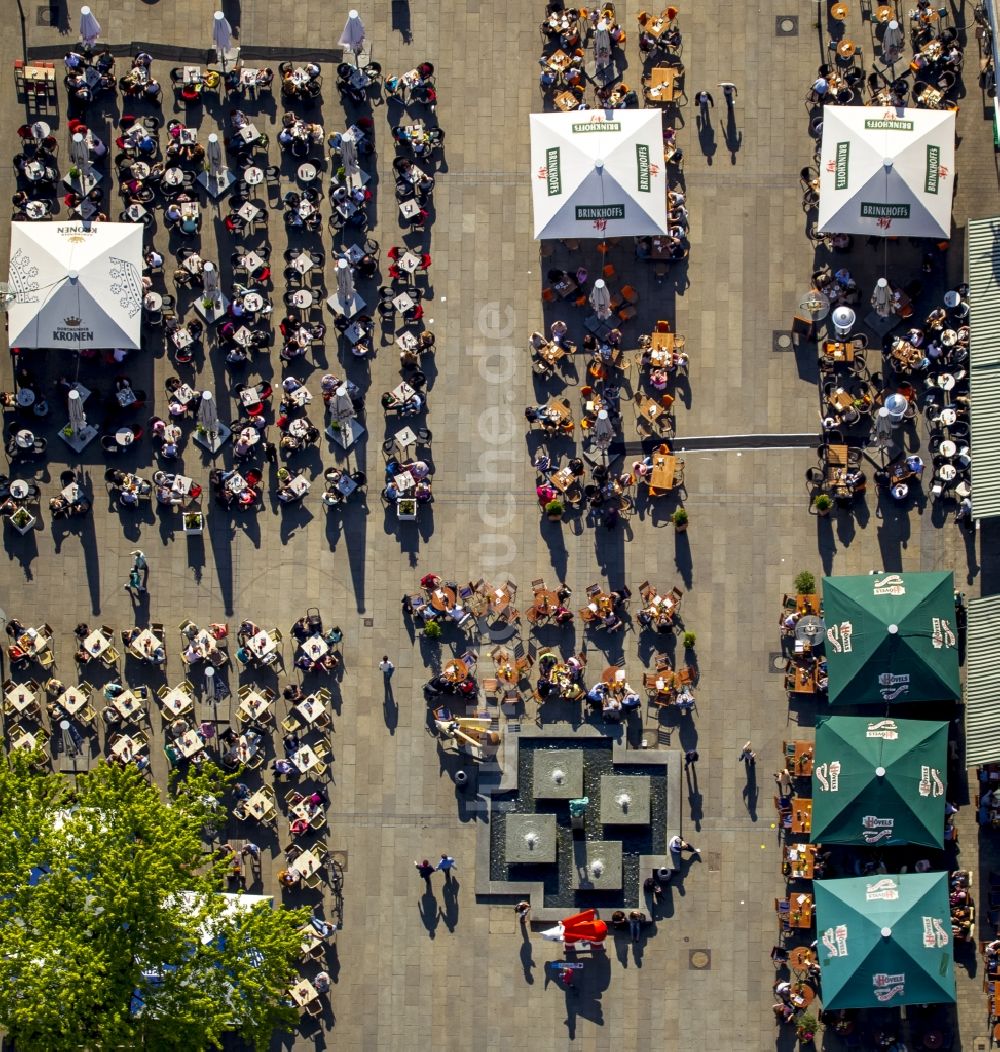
<point>112,934</point>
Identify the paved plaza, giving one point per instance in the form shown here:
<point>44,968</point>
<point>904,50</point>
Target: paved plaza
<point>417,968</point>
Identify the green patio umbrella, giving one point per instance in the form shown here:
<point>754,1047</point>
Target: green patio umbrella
<point>885,940</point>
<point>891,637</point>
<point>879,781</point>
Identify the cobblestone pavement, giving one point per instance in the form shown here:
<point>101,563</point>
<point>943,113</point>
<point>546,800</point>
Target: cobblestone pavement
<point>446,970</point>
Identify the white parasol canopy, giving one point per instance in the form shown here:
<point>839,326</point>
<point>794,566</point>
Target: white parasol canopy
<point>598,173</point>
<point>90,28</point>
<point>887,172</point>
<point>353,36</point>
<point>75,284</point>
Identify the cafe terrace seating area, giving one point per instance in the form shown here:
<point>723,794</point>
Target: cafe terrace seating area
<point>291,329</point>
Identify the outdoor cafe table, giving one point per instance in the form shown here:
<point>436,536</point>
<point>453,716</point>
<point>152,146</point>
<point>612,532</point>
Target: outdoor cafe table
<point>409,262</point>
<point>800,910</point>
<point>799,757</point>
<point>805,680</point>
<point>566,101</point>
<point>247,134</point>
<point>72,700</point>
<point>839,352</point>
<point>189,744</point>
<point>663,607</point>
<point>661,475</point>
<point>562,479</point>
<point>551,353</point>
<point>254,705</point>
<point>20,697</point>
<point>125,748</point>
<point>24,740</point>
<point>311,709</point>
<point>128,705</point>
<point>499,600</point>
<point>305,760</point>
<point>311,938</point>
<point>799,959</point>
<point>307,863</point>
<point>802,995</point>
<point>662,83</point>
<point>455,671</point>
<point>661,341</point>
<point>801,859</point>
<point>403,302</point>
<point>443,598</point>
<point>177,701</point>
<point>546,602</point>
<point>260,805</point>
<point>802,809</point>
<point>31,640</point>
<point>261,644</point>
<point>303,993</point>
<point>301,809</point>
<point>810,629</point>
<point>145,644</point>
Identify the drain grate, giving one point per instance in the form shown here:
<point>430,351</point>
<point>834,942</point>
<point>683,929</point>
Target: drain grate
<point>368,622</point>
<point>786,26</point>
<point>47,15</point>
<point>776,662</point>
<point>781,340</point>
<point>714,860</point>
<point>700,960</point>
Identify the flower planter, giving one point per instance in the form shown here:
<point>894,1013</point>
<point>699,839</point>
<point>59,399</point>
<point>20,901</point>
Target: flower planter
<point>406,509</point>
<point>194,522</point>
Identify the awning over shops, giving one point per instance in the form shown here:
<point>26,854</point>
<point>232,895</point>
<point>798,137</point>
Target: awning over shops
<point>984,364</point>
<point>982,681</point>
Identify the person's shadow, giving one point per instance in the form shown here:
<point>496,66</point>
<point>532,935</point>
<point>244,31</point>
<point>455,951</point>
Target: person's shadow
<point>694,796</point>
<point>449,891</point>
<point>706,135</point>
<point>751,790</point>
<point>390,710</point>
<point>732,135</point>
<point>527,960</point>
<point>429,911</point>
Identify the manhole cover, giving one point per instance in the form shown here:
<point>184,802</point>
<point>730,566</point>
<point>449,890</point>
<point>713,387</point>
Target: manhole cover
<point>786,26</point>
<point>714,860</point>
<point>700,960</point>
<point>776,662</point>
<point>368,622</point>
<point>47,16</point>
<point>782,341</point>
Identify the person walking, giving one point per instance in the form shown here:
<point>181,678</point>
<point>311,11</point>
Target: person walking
<point>446,865</point>
<point>425,869</point>
<point>705,102</point>
<point>386,667</point>
<point>140,565</point>
<point>729,93</point>
<point>134,583</point>
<point>690,758</point>
<point>677,844</point>
<point>251,849</point>
<point>522,909</point>
<point>747,755</point>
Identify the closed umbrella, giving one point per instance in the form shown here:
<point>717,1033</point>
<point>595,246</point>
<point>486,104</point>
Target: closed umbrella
<point>603,430</point>
<point>600,299</point>
<point>341,406</point>
<point>353,36</point>
<point>214,154</point>
<point>90,28</point>
<point>349,156</point>
<point>882,298</point>
<point>208,415</point>
<point>892,43</point>
<point>222,33</point>
<point>602,44</point>
<point>345,282</point>
<point>80,156</point>
<point>77,421</point>
<point>881,435</point>
<point>210,280</point>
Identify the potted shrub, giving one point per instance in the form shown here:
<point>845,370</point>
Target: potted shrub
<point>194,522</point>
<point>406,508</point>
<point>554,510</point>
<point>680,520</point>
<point>823,504</point>
<point>208,302</point>
<point>689,639</point>
<point>432,630</point>
<point>74,172</point>
<point>806,1028</point>
<point>21,519</point>
<point>805,583</point>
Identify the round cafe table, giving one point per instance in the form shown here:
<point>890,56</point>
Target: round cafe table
<point>140,169</point>
<point>839,11</point>
<point>124,436</point>
<point>884,13</point>
<point>25,397</point>
<point>254,175</point>
<point>253,301</point>
<point>173,176</point>
<point>455,671</point>
<point>36,210</point>
<point>846,48</point>
<point>949,337</point>
<point>19,489</point>
<point>307,172</point>
<point>963,488</point>
<point>446,601</point>
<point>24,439</point>
<point>947,448</point>
<point>946,472</point>
<point>946,381</point>
<point>301,298</point>
<point>152,301</point>
<point>40,130</point>
<point>948,417</point>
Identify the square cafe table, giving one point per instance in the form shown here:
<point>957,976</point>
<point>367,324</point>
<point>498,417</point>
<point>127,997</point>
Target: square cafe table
<point>661,475</point>
<point>176,701</point>
<point>305,760</point>
<point>20,696</point>
<point>301,809</point>
<point>26,741</point>
<point>800,910</point>
<point>403,302</point>
<point>409,262</point>
<point>96,643</point>
<point>248,211</point>
<point>138,645</point>
<point>261,644</point>
<point>802,809</point>
<point>128,705</point>
<point>307,863</point>
<point>254,705</point>
<point>72,700</point>
<point>259,805</point>
<point>311,709</point>
<point>303,993</point>
<point>125,748</point>
<point>302,262</point>
<point>189,744</point>
<point>248,134</point>
<point>315,646</point>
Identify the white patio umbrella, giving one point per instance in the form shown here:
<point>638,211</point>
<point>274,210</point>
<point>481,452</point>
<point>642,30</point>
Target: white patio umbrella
<point>353,36</point>
<point>887,172</point>
<point>349,156</point>
<point>208,414</point>
<point>598,173</point>
<point>214,154</point>
<point>600,299</point>
<point>77,420</point>
<point>341,406</point>
<point>345,282</point>
<point>882,298</point>
<point>90,28</point>
<point>602,44</point>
